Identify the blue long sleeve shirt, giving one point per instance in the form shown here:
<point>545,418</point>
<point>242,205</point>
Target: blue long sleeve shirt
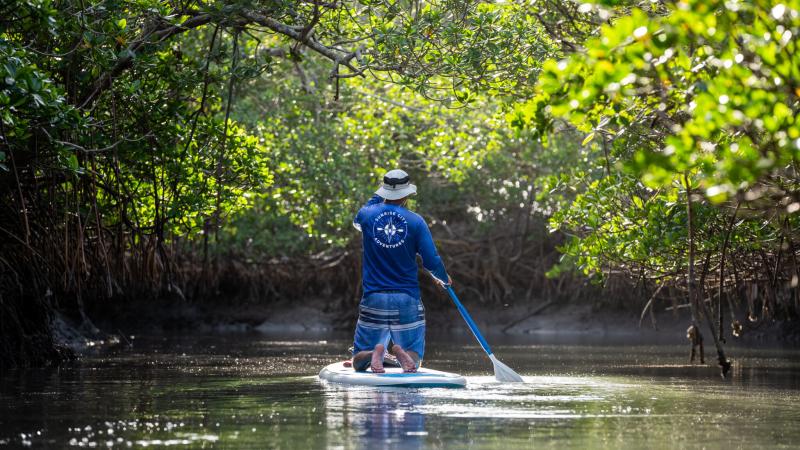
<point>392,237</point>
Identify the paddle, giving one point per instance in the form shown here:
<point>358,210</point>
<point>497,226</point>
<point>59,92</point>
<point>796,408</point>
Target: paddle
<point>502,372</point>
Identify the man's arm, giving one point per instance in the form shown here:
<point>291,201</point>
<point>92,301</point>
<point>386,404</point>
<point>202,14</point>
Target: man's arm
<point>372,201</point>
<point>431,260</point>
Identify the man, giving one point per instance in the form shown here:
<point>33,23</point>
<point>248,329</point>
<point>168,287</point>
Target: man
<point>391,307</point>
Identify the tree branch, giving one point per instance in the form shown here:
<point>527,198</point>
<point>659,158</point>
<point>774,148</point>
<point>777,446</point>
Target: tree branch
<point>106,79</point>
<point>280,28</point>
<point>159,33</point>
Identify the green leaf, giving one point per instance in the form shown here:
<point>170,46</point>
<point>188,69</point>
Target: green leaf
<point>72,162</point>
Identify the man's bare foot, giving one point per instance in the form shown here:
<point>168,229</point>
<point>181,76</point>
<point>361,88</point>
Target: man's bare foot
<point>377,359</point>
<point>406,361</point>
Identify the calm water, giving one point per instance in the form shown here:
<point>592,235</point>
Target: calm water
<point>253,391</point>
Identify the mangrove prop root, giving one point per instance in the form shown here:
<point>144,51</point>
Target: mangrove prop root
<point>695,338</point>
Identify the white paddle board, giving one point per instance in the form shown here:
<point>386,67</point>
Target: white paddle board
<point>394,376</point>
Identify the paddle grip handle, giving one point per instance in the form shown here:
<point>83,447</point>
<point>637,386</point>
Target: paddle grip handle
<point>471,323</point>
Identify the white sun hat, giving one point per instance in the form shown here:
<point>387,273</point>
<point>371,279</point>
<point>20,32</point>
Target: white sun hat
<point>396,185</point>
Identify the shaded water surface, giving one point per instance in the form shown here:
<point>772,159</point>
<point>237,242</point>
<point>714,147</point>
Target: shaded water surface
<point>253,391</point>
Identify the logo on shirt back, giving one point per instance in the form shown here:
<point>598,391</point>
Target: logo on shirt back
<point>390,229</point>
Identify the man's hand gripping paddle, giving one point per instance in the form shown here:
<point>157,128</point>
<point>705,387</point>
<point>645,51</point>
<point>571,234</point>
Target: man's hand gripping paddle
<point>502,372</point>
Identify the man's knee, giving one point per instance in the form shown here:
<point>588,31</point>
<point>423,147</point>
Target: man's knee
<point>361,361</point>
<point>415,357</point>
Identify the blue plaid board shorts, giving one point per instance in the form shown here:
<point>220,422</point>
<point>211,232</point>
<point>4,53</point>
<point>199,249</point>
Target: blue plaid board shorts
<point>390,315</point>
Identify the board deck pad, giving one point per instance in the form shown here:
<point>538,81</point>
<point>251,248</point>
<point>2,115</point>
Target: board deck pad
<point>424,377</point>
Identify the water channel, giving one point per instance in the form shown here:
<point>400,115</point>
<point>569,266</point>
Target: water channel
<point>259,391</point>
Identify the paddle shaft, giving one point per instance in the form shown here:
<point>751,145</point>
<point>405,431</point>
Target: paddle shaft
<point>467,318</point>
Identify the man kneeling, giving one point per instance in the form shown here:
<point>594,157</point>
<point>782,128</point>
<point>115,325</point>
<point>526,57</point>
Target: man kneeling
<point>391,308</point>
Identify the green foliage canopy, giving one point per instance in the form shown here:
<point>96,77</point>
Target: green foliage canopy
<point>707,90</point>
<point>709,87</point>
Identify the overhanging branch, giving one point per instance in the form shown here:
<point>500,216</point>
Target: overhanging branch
<point>160,32</point>
<point>299,36</point>
<point>149,35</point>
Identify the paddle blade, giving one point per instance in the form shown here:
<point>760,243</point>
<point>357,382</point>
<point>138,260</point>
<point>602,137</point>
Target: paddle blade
<point>503,373</point>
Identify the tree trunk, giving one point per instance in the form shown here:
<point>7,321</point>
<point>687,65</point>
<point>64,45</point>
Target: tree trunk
<point>693,333</point>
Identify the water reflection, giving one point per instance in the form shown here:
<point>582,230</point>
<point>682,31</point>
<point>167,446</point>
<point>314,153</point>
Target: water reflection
<point>375,417</point>
<point>369,417</point>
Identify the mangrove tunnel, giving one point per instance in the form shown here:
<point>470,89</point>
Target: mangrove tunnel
<point>635,156</point>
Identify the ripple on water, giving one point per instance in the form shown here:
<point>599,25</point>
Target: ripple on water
<point>539,397</point>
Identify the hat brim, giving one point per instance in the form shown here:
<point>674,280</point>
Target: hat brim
<point>396,194</point>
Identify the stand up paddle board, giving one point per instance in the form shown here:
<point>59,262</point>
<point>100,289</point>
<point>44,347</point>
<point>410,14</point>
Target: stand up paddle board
<point>394,376</point>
